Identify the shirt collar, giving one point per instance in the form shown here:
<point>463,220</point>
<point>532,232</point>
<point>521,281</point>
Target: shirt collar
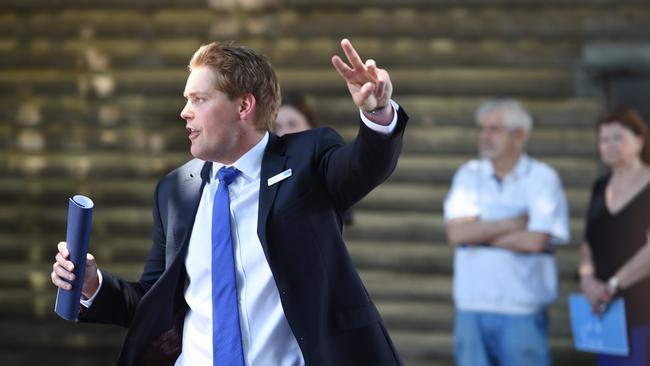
<point>520,169</point>
<point>249,164</point>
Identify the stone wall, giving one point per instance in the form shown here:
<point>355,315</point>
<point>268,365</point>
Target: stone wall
<point>90,96</point>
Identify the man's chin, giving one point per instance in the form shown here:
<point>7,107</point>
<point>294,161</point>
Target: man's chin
<point>486,155</point>
<point>196,153</point>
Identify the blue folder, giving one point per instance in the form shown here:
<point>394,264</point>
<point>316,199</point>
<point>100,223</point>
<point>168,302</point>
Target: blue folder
<point>605,334</point>
<point>80,216</point>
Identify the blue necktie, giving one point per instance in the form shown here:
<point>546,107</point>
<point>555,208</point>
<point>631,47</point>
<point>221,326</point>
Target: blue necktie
<point>226,335</point>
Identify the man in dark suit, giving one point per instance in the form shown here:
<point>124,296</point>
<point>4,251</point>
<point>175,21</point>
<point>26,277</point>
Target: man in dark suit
<point>296,296</point>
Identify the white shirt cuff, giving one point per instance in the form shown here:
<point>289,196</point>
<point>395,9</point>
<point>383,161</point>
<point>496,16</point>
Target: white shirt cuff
<point>386,130</point>
<point>87,303</point>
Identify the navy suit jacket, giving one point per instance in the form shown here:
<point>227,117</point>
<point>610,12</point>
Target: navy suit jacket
<point>299,226</point>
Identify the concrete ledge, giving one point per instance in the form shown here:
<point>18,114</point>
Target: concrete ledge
<point>609,57</point>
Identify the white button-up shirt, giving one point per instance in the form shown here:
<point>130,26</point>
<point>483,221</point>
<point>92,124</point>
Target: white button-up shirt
<point>267,338</point>
<point>499,280</point>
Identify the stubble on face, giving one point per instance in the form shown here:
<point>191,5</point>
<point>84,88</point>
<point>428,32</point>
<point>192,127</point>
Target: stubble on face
<point>211,118</point>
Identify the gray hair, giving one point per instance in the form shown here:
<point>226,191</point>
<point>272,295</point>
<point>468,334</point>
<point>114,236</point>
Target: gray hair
<point>515,116</point>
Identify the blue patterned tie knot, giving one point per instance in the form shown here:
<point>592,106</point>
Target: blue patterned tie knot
<point>227,174</point>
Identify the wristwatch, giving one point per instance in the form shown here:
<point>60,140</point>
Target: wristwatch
<point>377,110</point>
<point>613,285</point>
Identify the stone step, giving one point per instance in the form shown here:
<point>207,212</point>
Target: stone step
<point>432,348</point>
<point>40,5</point>
<point>136,111</point>
<point>114,53</point>
<point>438,316</point>
<point>57,340</point>
<point>125,193</point>
<point>419,4</point>
<point>431,320</point>
<point>412,258</point>
<point>419,311</point>
<point>403,285</point>
<point>538,82</point>
<point>447,140</point>
<point>295,4</point>
<point>79,164</point>
<point>395,251</point>
<point>24,5</point>
<point>398,196</point>
<point>424,348</point>
<point>412,226</point>
<point>28,293</point>
<point>17,355</point>
<point>99,345</point>
<point>113,193</point>
<point>441,140</point>
<point>122,234</point>
<point>578,172</point>
<point>371,225</point>
<point>469,21</point>
<point>34,276</point>
<point>399,316</point>
<point>547,82</point>
<point>430,257</point>
<point>27,289</point>
<point>31,259</point>
<point>570,22</point>
<point>77,341</point>
<point>100,23</point>
<point>125,220</point>
<point>435,111</point>
<point>76,167</point>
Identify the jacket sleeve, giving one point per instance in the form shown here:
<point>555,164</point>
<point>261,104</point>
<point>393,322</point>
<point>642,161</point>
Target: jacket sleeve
<point>117,300</point>
<point>351,171</point>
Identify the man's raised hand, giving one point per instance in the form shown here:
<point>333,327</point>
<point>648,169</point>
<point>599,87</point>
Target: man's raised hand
<point>370,86</point>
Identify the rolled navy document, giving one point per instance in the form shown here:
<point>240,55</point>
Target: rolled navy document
<point>80,217</point>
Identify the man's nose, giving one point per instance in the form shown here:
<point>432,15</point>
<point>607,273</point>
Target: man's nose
<point>186,113</point>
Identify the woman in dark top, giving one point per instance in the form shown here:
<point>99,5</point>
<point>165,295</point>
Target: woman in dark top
<point>615,257</point>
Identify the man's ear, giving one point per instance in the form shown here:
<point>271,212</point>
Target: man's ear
<point>247,107</point>
<point>522,136</point>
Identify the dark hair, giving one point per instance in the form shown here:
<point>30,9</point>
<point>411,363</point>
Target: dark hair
<point>303,106</point>
<point>240,70</point>
<point>632,120</point>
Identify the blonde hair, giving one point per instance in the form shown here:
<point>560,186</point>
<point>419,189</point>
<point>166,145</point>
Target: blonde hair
<point>239,70</point>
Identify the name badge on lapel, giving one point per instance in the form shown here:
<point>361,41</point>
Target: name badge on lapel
<point>279,177</point>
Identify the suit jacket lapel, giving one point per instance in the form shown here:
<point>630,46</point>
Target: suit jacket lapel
<point>273,163</point>
<point>190,190</point>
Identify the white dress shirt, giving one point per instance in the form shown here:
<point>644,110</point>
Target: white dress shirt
<point>498,280</point>
<point>266,336</point>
